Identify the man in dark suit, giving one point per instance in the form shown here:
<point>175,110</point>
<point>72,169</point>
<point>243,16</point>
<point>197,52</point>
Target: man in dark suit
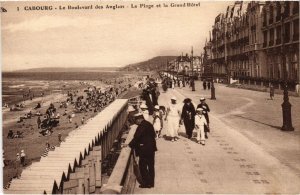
<point>144,144</point>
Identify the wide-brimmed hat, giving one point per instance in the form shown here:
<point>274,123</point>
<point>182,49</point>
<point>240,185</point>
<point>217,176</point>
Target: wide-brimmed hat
<point>199,110</point>
<point>173,98</point>
<point>187,100</point>
<point>202,99</point>
<point>138,116</point>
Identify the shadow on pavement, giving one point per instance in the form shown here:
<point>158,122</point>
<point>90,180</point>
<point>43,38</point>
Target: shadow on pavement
<point>273,126</point>
<point>182,134</point>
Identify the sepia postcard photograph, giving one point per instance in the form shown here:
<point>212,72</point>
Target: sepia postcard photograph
<point>150,97</point>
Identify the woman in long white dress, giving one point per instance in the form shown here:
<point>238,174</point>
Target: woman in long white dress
<point>173,116</point>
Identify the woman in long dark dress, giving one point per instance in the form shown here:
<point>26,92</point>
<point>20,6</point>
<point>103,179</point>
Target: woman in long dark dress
<point>188,117</point>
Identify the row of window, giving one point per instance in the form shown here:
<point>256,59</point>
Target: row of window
<point>275,35</point>
<point>268,16</point>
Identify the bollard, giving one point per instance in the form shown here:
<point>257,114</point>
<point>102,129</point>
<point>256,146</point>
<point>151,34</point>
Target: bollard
<point>213,92</point>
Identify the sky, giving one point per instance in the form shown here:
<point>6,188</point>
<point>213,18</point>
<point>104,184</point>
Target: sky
<point>101,37</point>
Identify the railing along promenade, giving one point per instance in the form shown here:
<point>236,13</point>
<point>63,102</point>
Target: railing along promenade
<point>122,180</point>
<point>75,166</point>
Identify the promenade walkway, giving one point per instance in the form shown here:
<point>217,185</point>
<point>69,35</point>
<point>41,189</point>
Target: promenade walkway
<point>229,162</point>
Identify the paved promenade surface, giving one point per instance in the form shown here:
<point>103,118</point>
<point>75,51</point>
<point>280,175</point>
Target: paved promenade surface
<point>231,161</point>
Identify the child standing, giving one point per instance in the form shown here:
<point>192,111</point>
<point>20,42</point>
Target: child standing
<point>200,121</point>
<point>157,121</point>
<point>23,155</point>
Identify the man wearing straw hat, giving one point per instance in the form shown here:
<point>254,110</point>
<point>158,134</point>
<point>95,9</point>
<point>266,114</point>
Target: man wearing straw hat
<point>144,144</point>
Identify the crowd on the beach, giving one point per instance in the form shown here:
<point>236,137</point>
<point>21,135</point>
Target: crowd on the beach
<point>91,100</point>
<point>150,118</point>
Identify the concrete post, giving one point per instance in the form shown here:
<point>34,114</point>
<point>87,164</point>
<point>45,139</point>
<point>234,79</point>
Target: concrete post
<point>76,179</point>
<point>104,138</point>
<point>97,154</point>
<point>92,174</point>
<point>85,164</point>
<point>80,177</point>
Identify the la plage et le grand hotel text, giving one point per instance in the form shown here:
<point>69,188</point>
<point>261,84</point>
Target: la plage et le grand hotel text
<point>115,6</point>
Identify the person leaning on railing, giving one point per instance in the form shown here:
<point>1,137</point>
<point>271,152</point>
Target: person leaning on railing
<point>144,145</point>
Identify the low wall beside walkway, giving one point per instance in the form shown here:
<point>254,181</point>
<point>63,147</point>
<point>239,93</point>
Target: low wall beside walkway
<point>75,166</point>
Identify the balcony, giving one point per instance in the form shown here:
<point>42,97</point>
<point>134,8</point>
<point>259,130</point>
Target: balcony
<point>296,37</point>
<point>271,42</point>
<point>295,10</point>
<point>251,47</point>
<point>264,44</point>
<point>264,23</point>
<point>286,12</point>
<point>278,41</point>
<point>270,20</point>
<point>278,17</point>
<point>286,39</point>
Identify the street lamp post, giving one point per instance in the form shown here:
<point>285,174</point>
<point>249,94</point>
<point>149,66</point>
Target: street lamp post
<point>183,80</point>
<point>173,75</point>
<point>167,69</point>
<point>286,105</point>
<point>213,92</point>
<point>192,66</point>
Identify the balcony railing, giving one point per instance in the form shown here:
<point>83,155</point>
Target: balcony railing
<point>265,44</point>
<point>264,23</point>
<point>286,39</point>
<point>286,12</point>
<point>278,41</point>
<point>296,37</point>
<point>251,47</point>
<point>271,42</point>
<point>295,10</point>
<point>278,17</point>
<point>270,20</point>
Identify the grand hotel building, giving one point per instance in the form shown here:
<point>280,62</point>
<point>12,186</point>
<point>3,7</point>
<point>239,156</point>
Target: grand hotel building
<point>256,41</point>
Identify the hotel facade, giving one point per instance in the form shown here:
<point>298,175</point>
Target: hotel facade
<point>256,42</point>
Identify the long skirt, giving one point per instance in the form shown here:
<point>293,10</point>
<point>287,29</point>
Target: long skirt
<point>189,127</point>
<point>173,126</point>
